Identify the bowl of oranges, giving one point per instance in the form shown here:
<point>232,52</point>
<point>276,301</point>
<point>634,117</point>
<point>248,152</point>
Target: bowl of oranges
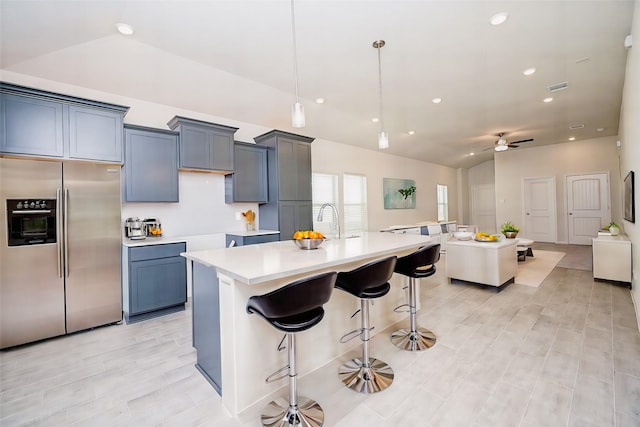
<point>486,237</point>
<point>308,239</point>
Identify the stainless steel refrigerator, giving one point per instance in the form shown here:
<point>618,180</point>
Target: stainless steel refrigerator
<point>59,248</point>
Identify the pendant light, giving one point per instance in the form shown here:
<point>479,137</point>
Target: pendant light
<point>297,110</point>
<point>383,137</point>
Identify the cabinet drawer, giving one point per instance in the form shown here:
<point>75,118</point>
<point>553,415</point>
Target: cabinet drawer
<point>140,253</point>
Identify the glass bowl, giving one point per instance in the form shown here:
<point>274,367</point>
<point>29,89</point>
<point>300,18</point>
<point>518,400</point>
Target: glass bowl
<point>308,243</point>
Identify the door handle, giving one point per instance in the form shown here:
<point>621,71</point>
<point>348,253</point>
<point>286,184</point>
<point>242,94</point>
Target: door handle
<point>66,232</point>
<point>59,231</point>
<point>570,213</point>
<point>527,213</point>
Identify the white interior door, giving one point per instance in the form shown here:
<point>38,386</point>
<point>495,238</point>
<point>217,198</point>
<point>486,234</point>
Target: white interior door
<point>588,206</point>
<point>540,209</point>
<point>483,207</point>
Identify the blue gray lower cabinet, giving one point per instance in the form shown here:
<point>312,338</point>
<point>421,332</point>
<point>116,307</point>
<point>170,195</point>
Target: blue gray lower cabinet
<point>157,281</point>
<point>252,240</point>
<point>206,324</point>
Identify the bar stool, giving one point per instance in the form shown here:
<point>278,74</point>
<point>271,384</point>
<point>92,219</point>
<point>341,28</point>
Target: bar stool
<point>293,308</point>
<point>366,375</point>
<point>418,265</point>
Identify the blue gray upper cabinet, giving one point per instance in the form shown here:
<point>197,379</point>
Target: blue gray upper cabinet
<point>248,183</point>
<point>289,170</point>
<point>150,165</point>
<point>204,145</point>
<point>39,123</point>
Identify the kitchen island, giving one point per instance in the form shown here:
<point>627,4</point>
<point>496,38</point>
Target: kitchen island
<point>485,263</point>
<point>236,352</point>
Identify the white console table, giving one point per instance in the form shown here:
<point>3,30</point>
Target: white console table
<point>612,258</point>
<point>487,263</point>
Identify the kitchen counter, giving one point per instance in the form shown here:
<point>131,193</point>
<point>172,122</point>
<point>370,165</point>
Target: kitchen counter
<point>276,260</point>
<point>162,240</point>
<point>239,359</point>
<point>152,240</point>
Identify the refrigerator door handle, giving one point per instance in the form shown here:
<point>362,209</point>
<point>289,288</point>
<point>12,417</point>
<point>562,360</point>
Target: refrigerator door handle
<point>59,230</point>
<point>66,232</point>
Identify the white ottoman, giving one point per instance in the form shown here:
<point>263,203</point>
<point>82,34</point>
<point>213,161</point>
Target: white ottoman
<point>523,246</point>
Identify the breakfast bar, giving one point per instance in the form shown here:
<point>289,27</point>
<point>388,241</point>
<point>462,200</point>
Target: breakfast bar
<point>236,352</point>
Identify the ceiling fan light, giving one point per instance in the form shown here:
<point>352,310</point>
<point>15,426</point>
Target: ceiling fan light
<point>125,29</point>
<point>297,115</point>
<point>502,147</point>
<point>383,140</point>
<point>498,18</point>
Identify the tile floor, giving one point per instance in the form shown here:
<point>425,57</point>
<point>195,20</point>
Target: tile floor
<point>566,353</point>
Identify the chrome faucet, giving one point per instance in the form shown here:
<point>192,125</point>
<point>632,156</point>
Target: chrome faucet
<point>335,210</point>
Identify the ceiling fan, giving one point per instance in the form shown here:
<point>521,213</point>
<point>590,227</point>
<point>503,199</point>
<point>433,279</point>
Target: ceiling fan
<point>502,144</point>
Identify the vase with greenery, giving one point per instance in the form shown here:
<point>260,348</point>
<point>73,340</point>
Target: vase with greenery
<point>509,230</point>
<point>614,228</point>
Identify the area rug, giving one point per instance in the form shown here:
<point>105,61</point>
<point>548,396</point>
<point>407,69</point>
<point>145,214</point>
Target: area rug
<point>534,270</point>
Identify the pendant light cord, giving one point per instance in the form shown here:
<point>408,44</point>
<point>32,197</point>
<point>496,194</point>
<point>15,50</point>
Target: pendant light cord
<point>380,86</point>
<point>295,53</point>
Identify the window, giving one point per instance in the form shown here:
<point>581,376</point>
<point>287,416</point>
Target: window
<point>325,190</point>
<point>443,203</point>
<point>355,204</point>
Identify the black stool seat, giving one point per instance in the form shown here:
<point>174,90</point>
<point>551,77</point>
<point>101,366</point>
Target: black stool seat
<point>368,281</point>
<point>417,265</point>
<point>296,306</point>
<point>420,263</point>
<point>293,308</point>
<point>366,374</point>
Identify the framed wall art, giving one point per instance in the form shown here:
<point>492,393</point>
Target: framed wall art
<point>399,193</point>
<point>629,198</point>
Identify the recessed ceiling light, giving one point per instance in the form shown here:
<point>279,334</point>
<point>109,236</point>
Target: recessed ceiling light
<point>472,154</point>
<point>529,71</point>
<point>412,132</point>
<point>573,138</point>
<point>125,29</point>
<point>436,100</point>
<point>600,129</point>
<point>375,120</point>
<point>549,99</point>
<point>319,100</point>
<point>499,18</point>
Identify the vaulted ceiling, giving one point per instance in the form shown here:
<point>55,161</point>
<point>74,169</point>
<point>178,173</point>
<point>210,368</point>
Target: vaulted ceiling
<point>234,59</point>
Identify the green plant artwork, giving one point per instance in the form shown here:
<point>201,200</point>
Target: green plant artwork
<point>399,193</point>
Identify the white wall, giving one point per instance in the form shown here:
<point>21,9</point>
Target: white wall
<point>558,160</point>
<point>630,151</point>
<point>335,158</point>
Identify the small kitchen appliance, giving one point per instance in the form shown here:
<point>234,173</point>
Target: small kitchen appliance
<point>152,226</point>
<point>135,228</point>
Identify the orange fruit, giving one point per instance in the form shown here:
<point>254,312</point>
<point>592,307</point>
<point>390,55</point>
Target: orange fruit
<point>297,235</point>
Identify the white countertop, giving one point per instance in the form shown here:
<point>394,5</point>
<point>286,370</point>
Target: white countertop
<point>268,261</point>
<point>163,240</point>
<point>490,245</point>
<point>245,233</point>
<point>152,240</point>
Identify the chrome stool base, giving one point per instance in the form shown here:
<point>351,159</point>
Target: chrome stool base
<point>278,413</point>
<point>366,379</point>
<point>418,340</point>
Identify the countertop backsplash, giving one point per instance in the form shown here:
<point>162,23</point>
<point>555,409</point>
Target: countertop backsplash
<point>201,210</point>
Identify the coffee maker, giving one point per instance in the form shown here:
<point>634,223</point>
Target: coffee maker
<point>135,229</point>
